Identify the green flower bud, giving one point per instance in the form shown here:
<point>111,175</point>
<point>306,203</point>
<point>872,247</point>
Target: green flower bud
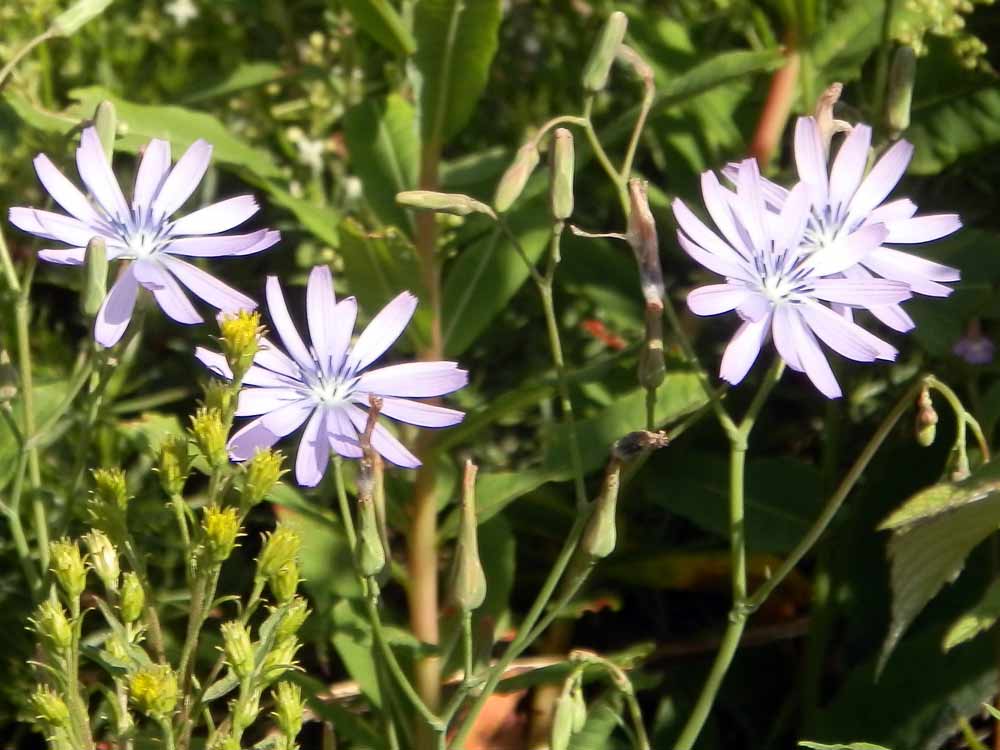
<point>133,598</point>
<point>240,338</point>
<point>285,582</point>
<point>209,434</point>
<point>52,626</point>
<point>279,659</point>
<point>900,93</point>
<point>103,558</point>
<point>106,125</point>
<point>562,723</point>
<point>245,713</point>
<point>174,464</point>
<point>280,548</point>
<point>599,535</point>
<point>288,708</point>
<point>68,567</point>
<point>49,707</point>
<point>295,615</point>
<point>445,203</point>
<point>153,690</point>
<point>262,472</point>
<point>238,649</point>
<point>579,707</point>
<point>219,396</point>
<point>512,183</point>
<point>595,72</point>
<point>221,527</point>
<point>468,582</point>
<point>95,285</point>
<point>369,551</point>
<point>926,420</point>
<point>110,487</point>
<point>562,165</point>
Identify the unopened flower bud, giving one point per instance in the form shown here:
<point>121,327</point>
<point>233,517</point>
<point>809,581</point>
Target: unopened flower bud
<point>240,339</point>
<point>645,244</point>
<point>133,598</point>
<point>288,709</point>
<point>446,203</point>
<point>106,125</point>
<point>219,396</point>
<point>468,582</point>
<point>95,285</point>
<point>926,419</point>
<point>209,434</point>
<point>562,166</point>
<point>52,625</point>
<point>579,707</point>
<point>599,535</point>
<point>296,613</point>
<point>153,690</point>
<point>220,526</point>
<point>174,464</point>
<point>285,582</point>
<point>68,567</point>
<point>49,707</point>
<point>900,94</point>
<point>279,659</point>
<point>110,487</point>
<point>512,183</point>
<point>280,548</point>
<point>595,73</point>
<point>562,728</point>
<point>370,553</point>
<point>238,649</point>
<point>103,558</point>
<point>245,713</point>
<point>262,472</point>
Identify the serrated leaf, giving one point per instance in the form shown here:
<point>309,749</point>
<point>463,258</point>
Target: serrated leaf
<point>977,620</point>
<point>384,148</point>
<point>456,42</point>
<point>962,122</point>
<point>851,746</point>
<point>382,21</point>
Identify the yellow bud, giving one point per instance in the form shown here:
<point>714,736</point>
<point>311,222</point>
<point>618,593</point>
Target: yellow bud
<point>261,473</point>
<point>49,707</point>
<point>174,464</point>
<point>238,649</point>
<point>110,487</point>
<point>103,558</point>
<point>295,615</point>
<point>133,597</point>
<point>562,165</point>
<point>220,527</point>
<point>288,708</point>
<point>595,72</point>
<point>153,690</point>
<point>240,337</point>
<point>52,625</point>
<point>68,567</point>
<point>219,396</point>
<point>285,582</point>
<point>280,659</point>
<point>209,434</point>
<point>512,183</point>
<point>280,548</point>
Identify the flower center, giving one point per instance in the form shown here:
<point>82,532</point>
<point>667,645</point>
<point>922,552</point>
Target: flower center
<point>331,391</point>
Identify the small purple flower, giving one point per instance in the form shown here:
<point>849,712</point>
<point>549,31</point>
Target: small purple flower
<point>328,383</point>
<point>973,347</point>
<point>143,234</point>
<point>777,284</point>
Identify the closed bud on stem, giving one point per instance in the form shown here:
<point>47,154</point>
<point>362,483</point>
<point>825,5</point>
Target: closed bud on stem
<point>244,714</point>
<point>153,691</point>
<point>209,434</point>
<point>237,648</point>
<point>285,582</point>
<point>110,487</point>
<point>68,567</point>
<point>95,285</point>
<point>595,73</point>
<point>563,162</point>
<point>279,659</point>
<point>133,598</point>
<point>240,340</point>
<point>926,420</point>
<point>899,97</point>
<point>563,718</point>
<point>370,553</point>
<point>295,615</point>
<point>220,527</point>
<point>280,548</point>
<point>103,558</point>
<point>468,582</point>
<point>288,709</point>
<point>173,464</point>
<point>261,473</point>
<point>512,183</point>
<point>52,625</point>
<point>219,396</point>
<point>642,237</point>
<point>599,535</point>
<point>49,707</point>
<point>456,204</point>
<point>579,706</point>
<point>106,125</point>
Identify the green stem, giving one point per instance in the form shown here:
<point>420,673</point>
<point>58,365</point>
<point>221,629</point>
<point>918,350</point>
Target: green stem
<point>601,155</point>
<point>467,645</point>
<point>22,53</point>
<point>168,733</point>
<point>882,65</point>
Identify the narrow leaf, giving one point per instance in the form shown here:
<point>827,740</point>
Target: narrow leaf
<point>380,20</point>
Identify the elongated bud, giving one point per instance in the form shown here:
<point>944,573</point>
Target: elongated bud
<point>239,336</point>
<point>370,553</point>
<point>579,707</point>
<point>285,582</point>
<point>262,472</point>
<point>153,690</point>
<point>209,435</point>
<point>445,203</point>
<point>110,487</point>
<point>103,558</point>
<point>237,648</point>
<point>49,707</point>
<point>68,567</point>
<point>512,183</point>
<point>106,125</point>
<point>468,585</point>
<point>599,535</point>
<point>220,527</point>
<point>280,548</point>
<point>645,244</point>
<point>562,164</point>
<point>52,625</point>
<point>595,73</point>
<point>295,615</point>
<point>174,464</point>
<point>279,659</point>
<point>219,396</point>
<point>563,718</point>
<point>95,285</point>
<point>288,709</point>
<point>926,419</point>
<point>900,94</point>
<point>133,598</point>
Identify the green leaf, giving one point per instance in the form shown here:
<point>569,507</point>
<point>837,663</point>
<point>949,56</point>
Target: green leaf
<point>221,687</point>
<point>851,746</point>
<point>603,717</point>
<point>247,75</point>
<point>379,19</point>
<point>352,637</point>
<point>79,13</point>
<point>496,490</point>
<point>384,147</point>
<point>48,398</point>
<point>961,122</point>
<point>456,41</point>
<point>845,42</point>
<point>320,221</point>
<point>977,620</point>
<point>992,711</point>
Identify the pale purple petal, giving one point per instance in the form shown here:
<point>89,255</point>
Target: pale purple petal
<point>214,361</point>
<point>414,379</point>
<point>755,307</point>
<point>812,359</point>
<point>214,247</point>
<point>254,401</point>
<point>849,166</point>
<point>272,358</point>
<point>700,234</point>
<point>182,180</point>
<point>285,327</point>
<point>321,306</point>
<point>207,287</point>
<point>288,418</point>
<point>383,441</point>
<point>64,192</point>
<point>116,311</point>
<point>314,451</point>
<point>382,331</point>
<point>895,317</point>
<point>217,217</point>
<point>791,222</point>
<point>881,180</point>
<point>98,177</point>
<point>810,158</point>
<point>52,226</point>
<point>849,251</point>
<point>860,292</point>
<point>169,296</point>
<point>844,337</point>
<point>340,329</point>
<point>783,333</point>
<point>901,208</point>
<point>417,413</point>
<point>153,169</point>
<point>921,274</point>
<point>270,238</point>
<point>923,229</point>
<point>718,206</point>
<point>750,204</point>
<point>342,435</point>
<point>713,262</point>
<point>742,351</point>
<point>250,439</point>
<point>256,375</point>
<point>73,256</point>
<point>717,298</point>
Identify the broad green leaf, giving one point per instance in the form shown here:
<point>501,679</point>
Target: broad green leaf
<point>844,43</point>
<point>352,637</point>
<point>38,118</point>
<point>247,75</point>
<point>47,401</point>
<point>977,620</point>
<point>456,41</point>
<point>945,496</point>
<point>379,19</point>
<point>851,746</point>
<point>384,149</point>
<point>961,122</point>
<point>603,717</point>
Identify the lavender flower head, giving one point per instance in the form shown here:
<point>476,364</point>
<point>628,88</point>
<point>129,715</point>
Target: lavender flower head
<point>778,283</point>
<point>143,234</point>
<point>328,383</point>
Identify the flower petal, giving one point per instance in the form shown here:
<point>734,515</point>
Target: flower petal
<point>64,192</point>
<point>314,451</point>
<point>214,247</point>
<point>339,331</point>
<point>717,201</point>
<point>382,331</point>
<point>288,418</point>
<point>116,311</point>
<point>98,177</point>
<point>383,441</point>
<point>73,256</point>
<point>414,379</point>
<point>923,228</point>
<point>848,251</point>
<point>880,181</point>
<point>750,204</point>
<point>901,208</point>
<point>153,169</point>
<point>810,158</point>
<point>713,262</point>
<point>812,359</point>
<point>250,439</point>
<point>341,434</point>
<point>743,350</point>
<point>417,413</point>
<point>214,361</point>
<point>865,293</point>
<point>169,296</point>
<point>217,217</point>
<point>321,306</point>
<point>715,299</point>
<point>285,327</point>
<point>784,337</point>
<point>254,401</point>
<point>182,180</point>
<point>207,287</point>
<point>849,166</point>
<point>893,316</point>
<point>270,357</point>
<point>921,274</point>
<point>844,337</point>
<point>700,234</point>
<point>52,226</point>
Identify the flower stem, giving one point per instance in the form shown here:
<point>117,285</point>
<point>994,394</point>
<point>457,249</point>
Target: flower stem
<point>22,53</point>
